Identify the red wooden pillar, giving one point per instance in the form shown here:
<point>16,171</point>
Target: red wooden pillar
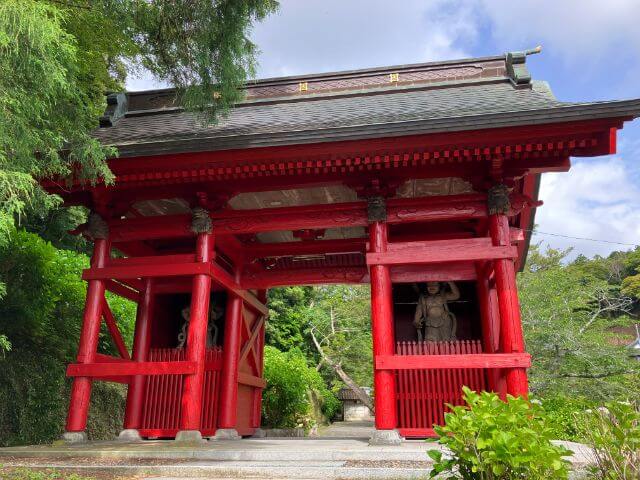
<point>490,319</point>
<point>511,337</point>
<point>382,331</point>
<point>230,357</point>
<point>141,346</point>
<point>196,344</point>
<point>81,389</point>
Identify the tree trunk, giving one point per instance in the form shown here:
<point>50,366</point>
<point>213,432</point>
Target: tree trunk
<point>360,393</point>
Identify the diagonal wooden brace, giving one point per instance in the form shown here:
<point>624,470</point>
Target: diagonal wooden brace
<point>114,330</point>
<point>251,342</point>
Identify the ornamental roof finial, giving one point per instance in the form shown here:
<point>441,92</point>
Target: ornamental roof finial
<point>516,68</point>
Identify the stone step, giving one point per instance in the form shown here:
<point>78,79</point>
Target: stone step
<point>239,470</point>
<point>246,452</point>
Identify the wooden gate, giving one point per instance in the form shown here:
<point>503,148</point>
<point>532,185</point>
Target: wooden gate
<point>422,395</point>
<point>163,395</point>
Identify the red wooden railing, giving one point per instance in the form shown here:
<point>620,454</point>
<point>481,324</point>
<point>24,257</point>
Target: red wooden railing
<point>422,394</point>
<point>163,395</point>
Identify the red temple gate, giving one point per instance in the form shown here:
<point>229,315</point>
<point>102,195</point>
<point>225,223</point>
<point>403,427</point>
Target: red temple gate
<point>392,177</point>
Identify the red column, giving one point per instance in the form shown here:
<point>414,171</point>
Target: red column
<point>490,319</point>
<point>197,338</point>
<point>382,331</point>
<point>230,356</point>
<point>511,338</point>
<point>141,346</point>
<point>81,389</point>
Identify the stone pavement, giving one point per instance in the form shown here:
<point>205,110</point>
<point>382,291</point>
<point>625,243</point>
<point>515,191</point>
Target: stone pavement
<point>325,457</point>
<point>347,430</point>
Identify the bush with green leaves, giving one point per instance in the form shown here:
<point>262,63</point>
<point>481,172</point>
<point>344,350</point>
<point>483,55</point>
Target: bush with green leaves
<point>41,315</point>
<point>489,439</point>
<point>614,434</point>
<point>562,411</point>
<point>285,400</point>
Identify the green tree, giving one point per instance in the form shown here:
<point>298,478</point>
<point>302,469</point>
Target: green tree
<point>339,321</point>
<point>41,314</point>
<point>287,322</point>
<point>59,57</point>
<point>568,312</point>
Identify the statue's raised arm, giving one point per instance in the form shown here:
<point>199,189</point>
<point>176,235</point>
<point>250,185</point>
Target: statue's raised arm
<point>454,293</point>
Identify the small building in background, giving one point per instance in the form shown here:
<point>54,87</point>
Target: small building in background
<point>353,410</point>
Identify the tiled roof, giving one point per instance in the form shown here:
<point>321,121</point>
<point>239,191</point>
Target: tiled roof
<point>427,98</point>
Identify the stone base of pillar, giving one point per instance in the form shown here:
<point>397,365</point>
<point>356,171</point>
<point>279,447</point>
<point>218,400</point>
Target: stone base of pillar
<point>259,433</point>
<point>226,434</point>
<point>189,436</point>
<point>74,437</point>
<point>129,435</point>
<point>385,437</point>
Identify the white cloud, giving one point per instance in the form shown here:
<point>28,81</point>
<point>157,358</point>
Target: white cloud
<point>326,35</point>
<point>571,29</point>
<point>597,199</point>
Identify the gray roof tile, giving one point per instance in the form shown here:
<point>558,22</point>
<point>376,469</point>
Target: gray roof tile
<point>355,114</point>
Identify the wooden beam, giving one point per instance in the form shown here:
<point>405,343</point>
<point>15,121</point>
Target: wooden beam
<point>109,369</point>
<point>255,330</point>
<point>122,290</point>
<point>142,271</point>
<point>353,214</point>
<point>153,260</point>
<point>461,361</point>
<point>226,280</point>
<point>417,432</point>
<point>440,251</point>
<point>265,279</point>
<point>112,326</point>
<point>436,272</point>
<point>251,380</point>
<point>315,247</point>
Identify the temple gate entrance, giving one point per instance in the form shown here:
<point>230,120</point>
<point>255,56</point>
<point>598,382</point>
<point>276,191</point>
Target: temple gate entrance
<point>418,180</point>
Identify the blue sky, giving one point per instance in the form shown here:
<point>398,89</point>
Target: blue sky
<point>591,51</point>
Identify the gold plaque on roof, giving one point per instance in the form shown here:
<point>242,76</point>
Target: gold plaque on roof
<point>394,77</point>
<point>303,86</point>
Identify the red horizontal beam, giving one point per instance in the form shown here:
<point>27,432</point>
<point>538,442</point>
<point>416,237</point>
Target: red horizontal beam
<point>354,214</point>
<point>251,380</point>
<point>141,271</point>
<point>129,268</point>
<point>264,279</point>
<point>315,247</point>
<point>109,369</point>
<point>436,272</point>
<point>439,251</point>
<point>417,432</point>
<point>471,360</point>
<point>153,260</point>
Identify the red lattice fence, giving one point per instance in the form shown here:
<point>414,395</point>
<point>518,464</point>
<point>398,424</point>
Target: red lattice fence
<point>423,394</point>
<point>163,395</point>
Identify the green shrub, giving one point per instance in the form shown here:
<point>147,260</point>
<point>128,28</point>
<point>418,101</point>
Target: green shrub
<point>494,440</point>
<point>41,315</point>
<point>285,400</point>
<point>562,412</point>
<point>614,434</point>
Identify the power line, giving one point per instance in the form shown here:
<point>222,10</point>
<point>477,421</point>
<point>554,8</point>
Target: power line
<point>537,232</point>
